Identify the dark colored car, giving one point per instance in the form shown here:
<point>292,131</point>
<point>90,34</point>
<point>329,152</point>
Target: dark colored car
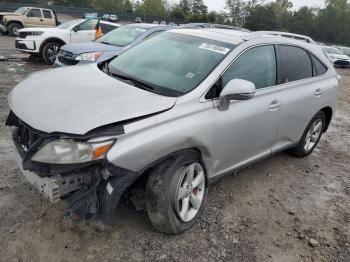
<point>108,46</point>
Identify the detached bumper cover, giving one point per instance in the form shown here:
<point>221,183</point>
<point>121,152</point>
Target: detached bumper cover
<point>3,28</point>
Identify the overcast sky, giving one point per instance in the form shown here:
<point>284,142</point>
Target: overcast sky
<point>218,5</point>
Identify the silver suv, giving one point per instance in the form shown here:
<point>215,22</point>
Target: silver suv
<point>172,115</point>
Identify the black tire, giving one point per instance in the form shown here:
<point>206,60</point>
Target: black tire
<point>162,190</point>
<point>50,51</point>
<point>13,28</point>
<point>299,150</point>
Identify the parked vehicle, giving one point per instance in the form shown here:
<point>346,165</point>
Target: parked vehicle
<point>336,57</point>
<point>45,42</point>
<point>174,114</point>
<point>27,17</point>
<point>110,17</point>
<point>108,46</point>
<point>138,20</point>
<point>345,50</point>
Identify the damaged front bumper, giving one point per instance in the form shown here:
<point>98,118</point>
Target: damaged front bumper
<point>88,188</point>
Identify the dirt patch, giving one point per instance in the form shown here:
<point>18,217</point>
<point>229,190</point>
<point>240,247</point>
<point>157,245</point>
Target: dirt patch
<point>282,209</point>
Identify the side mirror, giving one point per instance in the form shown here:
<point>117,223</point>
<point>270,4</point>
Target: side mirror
<point>236,89</point>
<point>76,28</point>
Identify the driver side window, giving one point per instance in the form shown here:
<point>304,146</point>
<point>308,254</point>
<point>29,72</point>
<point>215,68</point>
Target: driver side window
<point>34,13</point>
<point>88,25</point>
<point>257,65</point>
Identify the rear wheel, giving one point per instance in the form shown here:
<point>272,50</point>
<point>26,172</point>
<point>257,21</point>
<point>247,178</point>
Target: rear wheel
<point>176,193</point>
<point>13,28</point>
<point>50,51</point>
<point>311,135</point>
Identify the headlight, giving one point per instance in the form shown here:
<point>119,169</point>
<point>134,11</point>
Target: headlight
<point>34,33</point>
<point>69,151</point>
<point>92,57</point>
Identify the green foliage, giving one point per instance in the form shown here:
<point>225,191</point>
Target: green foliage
<point>331,24</point>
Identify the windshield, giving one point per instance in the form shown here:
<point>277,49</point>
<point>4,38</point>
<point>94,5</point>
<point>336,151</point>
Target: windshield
<point>171,62</point>
<point>331,50</point>
<point>21,10</point>
<point>122,36</point>
<point>67,25</point>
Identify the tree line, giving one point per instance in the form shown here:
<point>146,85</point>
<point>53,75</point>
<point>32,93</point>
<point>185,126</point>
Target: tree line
<point>330,24</point>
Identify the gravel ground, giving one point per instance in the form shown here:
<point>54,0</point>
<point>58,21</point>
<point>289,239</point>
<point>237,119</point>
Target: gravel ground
<point>282,209</point>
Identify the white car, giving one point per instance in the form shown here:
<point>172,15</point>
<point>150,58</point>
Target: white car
<point>336,57</point>
<point>45,42</point>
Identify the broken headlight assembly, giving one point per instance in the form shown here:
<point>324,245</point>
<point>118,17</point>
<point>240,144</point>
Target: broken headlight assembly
<point>91,57</point>
<point>69,151</point>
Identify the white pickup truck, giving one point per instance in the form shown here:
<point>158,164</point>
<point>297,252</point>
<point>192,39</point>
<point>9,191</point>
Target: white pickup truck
<point>45,42</point>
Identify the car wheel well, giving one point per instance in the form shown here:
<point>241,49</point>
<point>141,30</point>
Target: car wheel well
<point>57,40</point>
<point>142,179</point>
<point>328,112</point>
<point>14,22</point>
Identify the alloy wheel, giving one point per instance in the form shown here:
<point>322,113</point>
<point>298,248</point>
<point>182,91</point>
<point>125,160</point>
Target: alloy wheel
<point>190,192</point>
<point>313,135</point>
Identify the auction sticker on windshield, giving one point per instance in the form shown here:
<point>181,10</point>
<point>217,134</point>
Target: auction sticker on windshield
<point>215,48</point>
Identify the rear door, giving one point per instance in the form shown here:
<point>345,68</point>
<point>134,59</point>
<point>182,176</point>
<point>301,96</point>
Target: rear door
<point>34,18</point>
<point>49,18</point>
<point>86,31</point>
<point>303,91</point>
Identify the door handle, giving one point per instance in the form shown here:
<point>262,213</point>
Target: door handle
<point>318,92</point>
<point>42,20</point>
<point>275,104</point>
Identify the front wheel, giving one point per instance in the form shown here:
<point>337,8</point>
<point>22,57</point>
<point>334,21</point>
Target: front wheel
<point>176,193</point>
<point>311,135</point>
<point>13,29</point>
<point>50,51</point>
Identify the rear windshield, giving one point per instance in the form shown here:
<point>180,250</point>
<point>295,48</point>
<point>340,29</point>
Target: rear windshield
<point>122,36</point>
<point>172,61</point>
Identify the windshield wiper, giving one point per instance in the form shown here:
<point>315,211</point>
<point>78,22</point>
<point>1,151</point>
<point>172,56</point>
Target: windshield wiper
<point>106,43</point>
<point>136,82</point>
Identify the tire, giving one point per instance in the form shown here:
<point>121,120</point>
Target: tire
<point>166,183</point>
<point>308,140</point>
<point>50,51</point>
<point>13,28</point>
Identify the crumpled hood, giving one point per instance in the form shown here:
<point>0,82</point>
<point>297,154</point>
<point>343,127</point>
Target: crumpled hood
<point>80,48</point>
<point>76,100</point>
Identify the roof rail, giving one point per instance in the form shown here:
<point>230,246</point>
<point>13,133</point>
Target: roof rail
<point>210,25</point>
<point>258,34</point>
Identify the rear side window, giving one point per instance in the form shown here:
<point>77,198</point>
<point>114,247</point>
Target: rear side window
<point>47,14</point>
<point>319,68</point>
<point>295,63</point>
<point>257,65</point>
<point>34,13</point>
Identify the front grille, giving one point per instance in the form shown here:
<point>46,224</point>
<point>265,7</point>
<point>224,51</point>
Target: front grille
<point>25,136</point>
<point>66,57</point>
<point>342,62</point>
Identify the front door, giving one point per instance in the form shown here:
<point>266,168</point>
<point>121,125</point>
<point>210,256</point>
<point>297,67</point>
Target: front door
<point>85,32</point>
<point>247,129</point>
<point>34,18</point>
